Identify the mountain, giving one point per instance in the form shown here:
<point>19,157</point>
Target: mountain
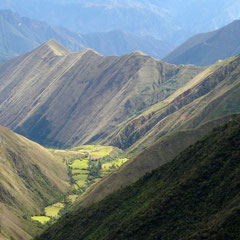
<point>19,35</point>
<point>211,94</point>
<point>161,152</point>
<point>30,178</point>
<point>196,196</point>
<point>171,21</point>
<point>59,98</point>
<point>118,42</point>
<point>207,48</point>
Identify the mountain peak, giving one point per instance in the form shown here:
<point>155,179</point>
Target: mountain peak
<point>139,52</point>
<point>56,47</point>
<point>90,50</point>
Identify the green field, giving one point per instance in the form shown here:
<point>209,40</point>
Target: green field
<point>80,171</point>
<point>53,211</point>
<point>80,177</point>
<point>41,219</point>
<point>101,152</point>
<point>117,163</point>
<point>72,198</point>
<point>79,164</point>
<point>81,183</point>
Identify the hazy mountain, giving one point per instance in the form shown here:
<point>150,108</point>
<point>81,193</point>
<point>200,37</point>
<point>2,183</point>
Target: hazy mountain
<point>57,97</point>
<point>207,48</point>
<point>196,196</point>
<point>212,93</point>
<point>20,34</point>
<point>120,43</point>
<point>30,178</point>
<point>172,21</point>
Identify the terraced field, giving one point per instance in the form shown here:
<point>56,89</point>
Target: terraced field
<point>87,165</point>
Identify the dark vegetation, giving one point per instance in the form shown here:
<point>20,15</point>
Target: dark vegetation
<point>196,196</point>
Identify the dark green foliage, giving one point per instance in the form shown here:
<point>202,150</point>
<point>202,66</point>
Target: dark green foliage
<point>196,196</point>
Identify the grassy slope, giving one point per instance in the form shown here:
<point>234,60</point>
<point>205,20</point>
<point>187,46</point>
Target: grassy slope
<point>196,196</point>
<point>75,98</point>
<point>30,178</point>
<point>211,94</point>
<point>161,152</point>
<point>207,48</point>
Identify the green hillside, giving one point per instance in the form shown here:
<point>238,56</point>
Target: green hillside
<point>196,196</point>
<point>162,151</point>
<point>207,48</point>
<point>30,179</point>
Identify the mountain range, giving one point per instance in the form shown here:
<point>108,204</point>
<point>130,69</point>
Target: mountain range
<point>19,35</point>
<point>171,21</point>
<point>207,48</point>
<point>160,158</point>
<point>61,98</point>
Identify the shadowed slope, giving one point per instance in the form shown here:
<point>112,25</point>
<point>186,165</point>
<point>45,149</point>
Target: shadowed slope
<point>161,152</point>
<point>196,196</point>
<point>30,178</point>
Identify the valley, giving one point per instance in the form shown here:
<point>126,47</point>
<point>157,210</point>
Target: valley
<point>86,165</point>
<point>100,139</point>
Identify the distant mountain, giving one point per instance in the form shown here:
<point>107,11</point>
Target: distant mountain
<point>30,178</point>
<point>207,48</point>
<point>20,34</point>
<point>58,98</point>
<point>120,43</point>
<point>171,21</point>
<point>196,196</point>
<point>211,94</point>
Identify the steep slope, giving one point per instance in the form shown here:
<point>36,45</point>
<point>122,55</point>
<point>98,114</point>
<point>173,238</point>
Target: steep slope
<point>20,34</point>
<point>196,196</point>
<point>206,48</point>
<point>211,94</point>
<point>56,97</point>
<point>30,178</point>
<point>161,152</point>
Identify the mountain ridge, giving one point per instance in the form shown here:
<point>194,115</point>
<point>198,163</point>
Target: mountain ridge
<point>20,35</point>
<point>207,48</point>
<point>67,92</point>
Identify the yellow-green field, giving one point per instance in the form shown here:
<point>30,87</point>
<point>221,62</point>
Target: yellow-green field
<point>53,211</point>
<point>79,164</point>
<point>80,177</point>
<point>80,171</point>
<point>72,198</point>
<point>117,163</point>
<point>41,219</point>
<point>101,152</point>
<point>81,183</point>
<point>94,151</point>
